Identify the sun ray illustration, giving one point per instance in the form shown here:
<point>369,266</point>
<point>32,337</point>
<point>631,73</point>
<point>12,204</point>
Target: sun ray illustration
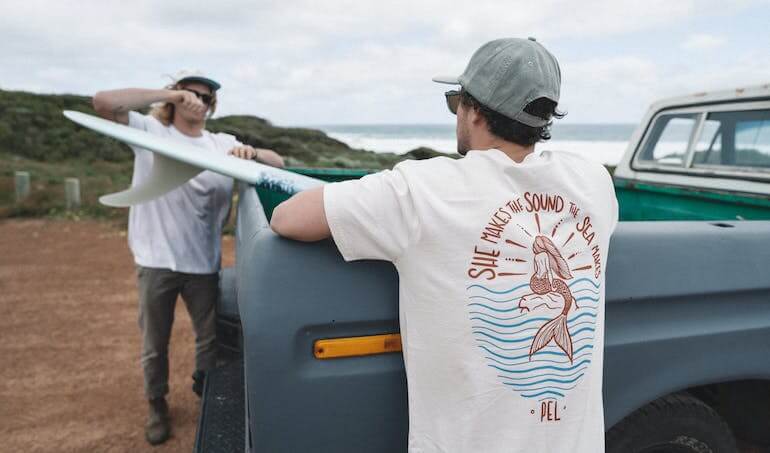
<point>571,235</point>
<point>524,230</point>
<point>537,221</point>
<point>516,260</point>
<point>583,268</point>
<point>508,241</point>
<point>574,255</point>
<point>555,227</point>
<point>508,274</point>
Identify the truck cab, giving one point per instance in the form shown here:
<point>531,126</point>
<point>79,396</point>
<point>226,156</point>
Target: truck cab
<point>687,307</point>
<point>704,156</point>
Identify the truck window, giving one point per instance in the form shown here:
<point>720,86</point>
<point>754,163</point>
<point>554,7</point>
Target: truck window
<point>734,139</point>
<point>668,139</point>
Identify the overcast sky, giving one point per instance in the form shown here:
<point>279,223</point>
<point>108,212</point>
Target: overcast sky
<point>358,61</point>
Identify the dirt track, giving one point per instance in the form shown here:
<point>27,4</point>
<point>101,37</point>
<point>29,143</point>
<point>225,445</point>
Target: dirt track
<point>71,379</point>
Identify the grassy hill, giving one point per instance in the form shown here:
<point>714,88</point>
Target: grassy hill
<point>32,126</point>
<point>36,137</point>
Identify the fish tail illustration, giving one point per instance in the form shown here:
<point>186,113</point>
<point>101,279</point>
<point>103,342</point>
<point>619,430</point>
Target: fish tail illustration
<point>556,330</point>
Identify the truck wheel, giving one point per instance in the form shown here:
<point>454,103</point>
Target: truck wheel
<point>673,424</point>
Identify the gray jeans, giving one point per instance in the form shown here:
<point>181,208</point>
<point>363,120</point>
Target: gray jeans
<point>158,291</point>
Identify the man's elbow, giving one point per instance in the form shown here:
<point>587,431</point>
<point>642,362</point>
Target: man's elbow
<point>279,222</point>
<point>287,225</point>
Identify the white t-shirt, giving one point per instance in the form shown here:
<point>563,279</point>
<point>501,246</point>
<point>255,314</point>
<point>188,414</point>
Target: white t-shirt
<point>182,229</point>
<point>501,268</point>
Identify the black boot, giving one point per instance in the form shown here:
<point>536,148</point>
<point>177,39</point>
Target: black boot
<point>198,378</point>
<point>158,427</point>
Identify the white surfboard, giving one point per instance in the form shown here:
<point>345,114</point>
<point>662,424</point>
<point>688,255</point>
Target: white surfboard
<point>175,163</point>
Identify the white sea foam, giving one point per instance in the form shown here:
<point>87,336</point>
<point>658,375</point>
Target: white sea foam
<point>605,152</point>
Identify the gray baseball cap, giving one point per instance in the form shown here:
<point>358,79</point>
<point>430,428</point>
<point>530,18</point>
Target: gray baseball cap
<point>507,74</point>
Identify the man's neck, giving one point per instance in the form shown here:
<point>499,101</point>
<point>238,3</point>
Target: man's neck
<point>188,128</point>
<point>515,152</point>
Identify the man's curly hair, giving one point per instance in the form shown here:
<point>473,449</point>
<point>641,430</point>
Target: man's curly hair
<point>511,130</point>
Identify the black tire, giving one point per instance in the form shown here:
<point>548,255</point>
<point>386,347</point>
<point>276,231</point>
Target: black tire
<point>677,423</point>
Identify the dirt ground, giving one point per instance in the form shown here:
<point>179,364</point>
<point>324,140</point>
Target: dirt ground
<point>71,379</point>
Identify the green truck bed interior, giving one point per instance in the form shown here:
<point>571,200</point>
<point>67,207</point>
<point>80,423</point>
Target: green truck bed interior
<point>638,201</point>
<point>272,198</point>
<point>646,201</point>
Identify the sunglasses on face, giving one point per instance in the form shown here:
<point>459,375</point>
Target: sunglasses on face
<point>204,97</point>
<point>452,100</point>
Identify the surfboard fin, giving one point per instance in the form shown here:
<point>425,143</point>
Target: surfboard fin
<point>176,162</point>
<point>166,175</point>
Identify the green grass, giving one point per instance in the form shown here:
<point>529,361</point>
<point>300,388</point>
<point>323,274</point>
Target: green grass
<point>36,137</point>
<point>46,197</point>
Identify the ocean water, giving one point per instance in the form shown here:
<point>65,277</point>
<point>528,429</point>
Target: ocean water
<point>604,143</point>
<point>504,336</point>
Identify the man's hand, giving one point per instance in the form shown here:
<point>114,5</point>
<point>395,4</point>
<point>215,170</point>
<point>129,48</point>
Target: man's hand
<point>265,156</point>
<point>188,101</point>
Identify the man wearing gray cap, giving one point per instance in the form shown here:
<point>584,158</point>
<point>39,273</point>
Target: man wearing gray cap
<point>175,239</point>
<point>501,259</point>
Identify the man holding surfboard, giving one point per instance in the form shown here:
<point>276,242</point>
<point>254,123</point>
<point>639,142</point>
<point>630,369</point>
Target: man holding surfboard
<point>175,239</point>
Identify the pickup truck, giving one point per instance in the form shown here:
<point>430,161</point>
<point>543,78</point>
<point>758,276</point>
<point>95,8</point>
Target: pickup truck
<point>313,364</point>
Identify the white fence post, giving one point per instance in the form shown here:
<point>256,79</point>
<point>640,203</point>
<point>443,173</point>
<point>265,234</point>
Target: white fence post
<point>72,193</point>
<point>22,185</point>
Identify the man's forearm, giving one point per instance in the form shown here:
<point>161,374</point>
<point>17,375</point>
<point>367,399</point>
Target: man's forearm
<point>115,104</point>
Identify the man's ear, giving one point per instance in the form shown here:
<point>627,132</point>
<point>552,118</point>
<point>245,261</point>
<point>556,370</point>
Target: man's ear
<point>476,118</point>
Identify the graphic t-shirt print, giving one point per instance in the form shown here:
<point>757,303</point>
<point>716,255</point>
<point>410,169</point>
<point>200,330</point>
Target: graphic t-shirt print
<point>533,297</point>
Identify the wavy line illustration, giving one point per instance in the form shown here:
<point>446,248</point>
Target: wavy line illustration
<point>583,290</point>
<point>517,298</point>
<point>558,362</point>
<point>502,339</point>
<point>505,301</point>
<point>584,329</point>
<point>529,321</point>
<point>508,291</point>
<point>570,320</point>
<point>548,392</point>
<point>512,309</point>
<point>587,298</point>
<point>544,367</point>
<point>481,313</point>
<point>530,362</point>
<point>575,341</point>
<point>580,315</point>
<point>571,324</point>
<point>590,323</point>
<point>519,340</point>
<point>481,340</point>
<point>528,331</point>
<point>584,279</point>
<point>503,310</point>
<point>581,370</point>
<point>550,388</point>
<point>498,292</point>
<point>543,381</point>
<point>477,329</point>
<point>538,353</point>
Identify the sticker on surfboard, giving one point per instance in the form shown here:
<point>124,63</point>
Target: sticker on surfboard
<point>175,163</point>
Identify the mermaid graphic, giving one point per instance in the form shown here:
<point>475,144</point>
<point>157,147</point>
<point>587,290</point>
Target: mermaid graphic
<point>549,290</point>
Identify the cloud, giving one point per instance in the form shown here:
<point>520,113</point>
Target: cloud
<point>337,61</point>
<point>614,89</point>
<point>703,41</point>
